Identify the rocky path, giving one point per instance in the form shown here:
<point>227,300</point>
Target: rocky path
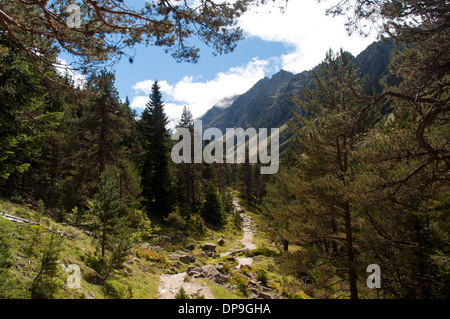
<point>170,284</point>
<point>247,239</point>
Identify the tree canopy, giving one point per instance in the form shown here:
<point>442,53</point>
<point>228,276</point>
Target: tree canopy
<point>107,28</point>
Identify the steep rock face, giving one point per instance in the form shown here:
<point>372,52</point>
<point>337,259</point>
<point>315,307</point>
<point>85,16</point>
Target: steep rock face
<point>268,103</point>
<point>248,108</point>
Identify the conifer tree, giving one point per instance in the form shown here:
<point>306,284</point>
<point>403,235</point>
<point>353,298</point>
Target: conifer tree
<point>211,210</point>
<point>106,207</point>
<point>186,172</point>
<point>23,118</point>
<point>334,125</point>
<point>98,128</point>
<point>155,174</point>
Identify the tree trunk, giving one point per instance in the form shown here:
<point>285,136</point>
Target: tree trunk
<point>350,253</point>
<point>104,238</point>
<point>285,244</point>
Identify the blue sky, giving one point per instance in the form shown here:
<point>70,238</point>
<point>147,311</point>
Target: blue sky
<point>294,40</point>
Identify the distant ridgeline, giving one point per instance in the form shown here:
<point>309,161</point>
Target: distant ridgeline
<point>268,103</point>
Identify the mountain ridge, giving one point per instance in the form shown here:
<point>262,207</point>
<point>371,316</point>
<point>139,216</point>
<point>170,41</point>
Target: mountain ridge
<point>268,103</point>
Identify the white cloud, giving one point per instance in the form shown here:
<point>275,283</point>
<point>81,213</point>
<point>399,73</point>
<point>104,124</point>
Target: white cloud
<point>138,102</point>
<point>64,69</point>
<point>304,29</point>
<point>146,86</point>
<point>200,96</point>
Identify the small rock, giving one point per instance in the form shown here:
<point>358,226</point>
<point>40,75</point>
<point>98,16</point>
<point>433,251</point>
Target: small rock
<point>187,259</point>
<point>190,247</point>
<point>155,248</point>
<point>220,241</point>
<point>193,269</point>
<point>174,255</point>
<point>253,296</point>
<point>253,291</point>
<point>253,283</point>
<point>266,295</point>
<point>209,247</point>
<point>195,274</point>
<point>165,239</point>
<point>218,267</point>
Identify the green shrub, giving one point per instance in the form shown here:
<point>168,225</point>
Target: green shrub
<point>18,199</point>
<point>242,287</point>
<point>261,275</point>
<point>150,255</point>
<point>46,283</point>
<point>226,268</point>
<point>181,294</point>
<point>195,224</point>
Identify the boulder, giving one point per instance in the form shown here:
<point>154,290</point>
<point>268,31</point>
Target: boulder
<point>187,259</point>
<point>220,279</point>
<point>190,247</point>
<point>210,271</point>
<point>213,275</point>
<point>220,241</point>
<point>195,271</point>
<point>191,269</point>
<point>209,247</point>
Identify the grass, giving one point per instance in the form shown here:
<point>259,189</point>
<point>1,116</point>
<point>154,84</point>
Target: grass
<point>21,246</point>
<point>139,278</point>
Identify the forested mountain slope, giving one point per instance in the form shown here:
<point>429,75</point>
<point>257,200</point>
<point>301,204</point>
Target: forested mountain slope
<point>268,103</point>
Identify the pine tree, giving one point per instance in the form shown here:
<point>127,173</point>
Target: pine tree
<point>211,210</point>
<point>106,207</point>
<point>334,125</point>
<point>187,173</point>
<point>23,117</point>
<point>105,119</point>
<point>97,130</point>
<point>404,208</point>
<point>187,119</point>
<point>155,174</point>
<point>45,284</point>
<point>409,154</point>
